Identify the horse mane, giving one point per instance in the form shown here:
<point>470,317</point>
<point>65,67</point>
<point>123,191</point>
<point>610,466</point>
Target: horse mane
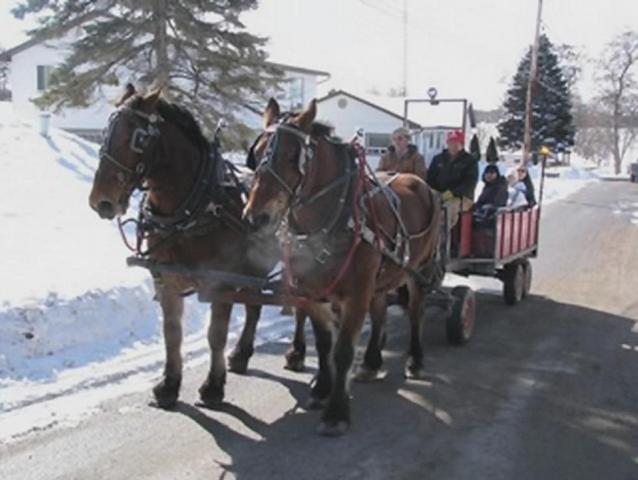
<point>320,129</point>
<point>181,118</point>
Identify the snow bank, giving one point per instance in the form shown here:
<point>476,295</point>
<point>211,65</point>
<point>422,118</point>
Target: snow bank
<point>76,325</point>
<point>564,181</point>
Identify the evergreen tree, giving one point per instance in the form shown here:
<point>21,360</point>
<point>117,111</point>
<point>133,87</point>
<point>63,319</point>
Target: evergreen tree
<point>197,51</point>
<point>475,148</point>
<point>491,154</point>
<point>552,122</point>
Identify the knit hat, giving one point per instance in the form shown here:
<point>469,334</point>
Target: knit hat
<point>456,136</point>
<point>491,168</point>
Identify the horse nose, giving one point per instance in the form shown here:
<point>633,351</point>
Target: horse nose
<point>258,221</point>
<point>105,209</point>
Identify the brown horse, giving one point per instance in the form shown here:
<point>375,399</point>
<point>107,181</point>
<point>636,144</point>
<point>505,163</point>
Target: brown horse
<point>189,218</point>
<point>350,241</point>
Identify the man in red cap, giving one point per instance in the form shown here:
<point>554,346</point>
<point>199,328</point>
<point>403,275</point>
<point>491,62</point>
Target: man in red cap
<point>454,173</point>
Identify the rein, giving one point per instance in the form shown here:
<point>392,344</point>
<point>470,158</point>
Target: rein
<point>356,222</point>
<point>198,202</point>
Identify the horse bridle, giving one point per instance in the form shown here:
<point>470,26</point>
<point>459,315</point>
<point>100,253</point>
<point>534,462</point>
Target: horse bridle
<point>306,153</point>
<point>139,144</point>
<point>307,147</point>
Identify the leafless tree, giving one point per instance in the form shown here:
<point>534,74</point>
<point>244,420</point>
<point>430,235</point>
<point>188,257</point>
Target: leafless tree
<point>618,92</point>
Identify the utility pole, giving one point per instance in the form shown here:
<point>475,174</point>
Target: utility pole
<point>405,48</point>
<point>527,136</point>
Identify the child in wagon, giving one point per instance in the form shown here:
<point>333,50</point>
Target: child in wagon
<point>494,194</point>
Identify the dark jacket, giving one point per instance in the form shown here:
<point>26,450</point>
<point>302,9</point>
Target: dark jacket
<point>493,194</point>
<point>529,191</point>
<point>411,162</point>
<point>459,175</point>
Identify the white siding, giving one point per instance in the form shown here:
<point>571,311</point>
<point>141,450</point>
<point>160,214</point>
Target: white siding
<point>23,85</point>
<point>347,118</point>
<point>24,88</point>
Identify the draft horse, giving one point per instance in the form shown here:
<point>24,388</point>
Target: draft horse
<point>188,218</point>
<point>350,240</point>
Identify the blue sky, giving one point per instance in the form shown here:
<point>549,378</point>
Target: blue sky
<point>465,48</point>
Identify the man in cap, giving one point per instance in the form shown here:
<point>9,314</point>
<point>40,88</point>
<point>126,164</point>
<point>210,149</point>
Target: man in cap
<point>402,157</point>
<point>454,173</point>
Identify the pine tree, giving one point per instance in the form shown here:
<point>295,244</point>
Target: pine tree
<point>491,154</point>
<point>552,122</point>
<point>197,51</point>
<point>475,148</point>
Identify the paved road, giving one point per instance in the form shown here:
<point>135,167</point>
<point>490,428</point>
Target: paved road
<point>546,390</point>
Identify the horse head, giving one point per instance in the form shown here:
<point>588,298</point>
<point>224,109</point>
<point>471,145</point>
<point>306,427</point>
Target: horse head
<point>280,155</point>
<point>126,154</point>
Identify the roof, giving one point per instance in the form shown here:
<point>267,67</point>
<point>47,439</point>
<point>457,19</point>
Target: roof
<point>8,54</point>
<point>376,106</point>
<point>446,116</point>
<point>36,39</point>
<point>292,68</point>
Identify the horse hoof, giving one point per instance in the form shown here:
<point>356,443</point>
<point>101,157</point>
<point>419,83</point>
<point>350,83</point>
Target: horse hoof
<point>316,403</point>
<point>332,429</point>
<point>416,373</point>
<point>212,396</point>
<point>166,392</point>
<point>366,374</point>
<point>295,362</point>
<point>238,363</point>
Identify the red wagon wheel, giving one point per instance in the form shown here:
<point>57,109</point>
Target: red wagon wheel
<point>460,322</point>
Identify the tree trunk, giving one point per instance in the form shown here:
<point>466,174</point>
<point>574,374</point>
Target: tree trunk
<point>162,68</point>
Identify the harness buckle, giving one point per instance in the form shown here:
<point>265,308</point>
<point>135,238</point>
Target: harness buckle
<point>322,256</point>
<point>214,208</point>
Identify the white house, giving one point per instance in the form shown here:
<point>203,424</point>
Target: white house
<point>31,63</point>
<point>380,116</point>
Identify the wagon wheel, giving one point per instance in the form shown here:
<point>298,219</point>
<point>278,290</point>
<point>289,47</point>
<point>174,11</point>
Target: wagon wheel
<point>513,283</point>
<point>460,323</point>
<point>527,278</point>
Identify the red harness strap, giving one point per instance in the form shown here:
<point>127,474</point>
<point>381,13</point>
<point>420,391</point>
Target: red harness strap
<point>361,184</point>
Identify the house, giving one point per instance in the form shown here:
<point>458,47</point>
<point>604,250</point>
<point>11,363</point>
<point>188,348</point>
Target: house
<point>31,63</point>
<point>380,116</point>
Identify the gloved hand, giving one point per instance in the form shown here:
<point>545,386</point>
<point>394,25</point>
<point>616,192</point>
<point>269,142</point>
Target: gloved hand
<point>447,196</point>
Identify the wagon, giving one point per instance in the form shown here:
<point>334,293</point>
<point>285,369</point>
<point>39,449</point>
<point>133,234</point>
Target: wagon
<point>501,248</point>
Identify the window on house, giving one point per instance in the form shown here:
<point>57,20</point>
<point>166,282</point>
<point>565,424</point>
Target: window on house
<point>44,75</point>
<point>377,143</point>
<point>296,93</point>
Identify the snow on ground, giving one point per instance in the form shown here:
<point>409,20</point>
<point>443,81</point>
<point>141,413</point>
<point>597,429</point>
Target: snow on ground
<point>73,317</point>
<point>559,182</point>
<point>77,326</point>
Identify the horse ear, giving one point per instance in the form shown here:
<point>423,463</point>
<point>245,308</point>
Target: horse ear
<point>305,119</point>
<point>152,98</point>
<point>271,114</point>
<point>129,91</point>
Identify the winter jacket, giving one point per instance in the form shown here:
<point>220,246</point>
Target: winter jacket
<point>529,191</point>
<point>494,194</point>
<point>459,175</point>
<point>517,194</point>
<point>411,162</point>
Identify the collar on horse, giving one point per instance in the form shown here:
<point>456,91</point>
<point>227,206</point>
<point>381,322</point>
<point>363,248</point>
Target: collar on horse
<point>202,198</point>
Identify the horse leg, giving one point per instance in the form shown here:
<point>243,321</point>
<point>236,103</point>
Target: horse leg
<point>322,319</point>
<point>414,368</point>
<point>211,392</point>
<point>296,355</point>
<point>166,391</point>
<point>372,359</point>
<point>239,357</point>
<point>336,416</point>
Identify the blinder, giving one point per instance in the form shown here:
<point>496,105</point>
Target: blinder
<point>140,141</point>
